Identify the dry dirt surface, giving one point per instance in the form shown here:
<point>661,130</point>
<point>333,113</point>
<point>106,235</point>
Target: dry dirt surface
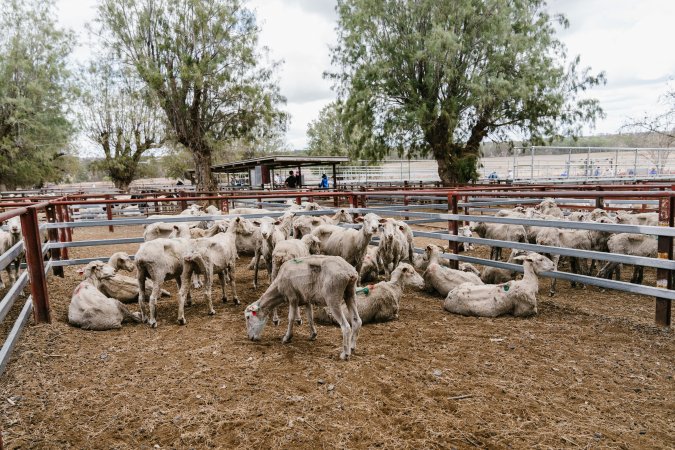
<point>590,370</point>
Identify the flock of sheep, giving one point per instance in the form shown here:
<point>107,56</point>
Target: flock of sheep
<point>313,261</point>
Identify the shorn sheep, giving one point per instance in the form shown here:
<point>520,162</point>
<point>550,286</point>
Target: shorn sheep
<point>7,240</point>
<point>352,244</point>
<point>379,302</point>
<point>90,309</point>
<point>629,244</point>
<point>443,279</point>
<point>324,281</point>
<point>501,232</point>
<point>518,298</point>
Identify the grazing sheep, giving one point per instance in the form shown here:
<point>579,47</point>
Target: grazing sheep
<point>352,244</point>
<point>495,275</point>
<point>90,309</point>
<point>379,302</point>
<point>443,279</point>
<point>210,256</point>
<point>648,219</point>
<point>314,280</point>
<point>292,249</point>
<point>501,232</point>
<point>629,244</point>
<point>160,260</point>
<point>518,298</point>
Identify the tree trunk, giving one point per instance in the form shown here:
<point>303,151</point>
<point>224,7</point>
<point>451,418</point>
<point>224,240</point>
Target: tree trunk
<point>202,158</point>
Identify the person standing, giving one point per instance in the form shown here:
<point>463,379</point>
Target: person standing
<point>323,184</point>
<point>298,180</point>
<point>291,181</point>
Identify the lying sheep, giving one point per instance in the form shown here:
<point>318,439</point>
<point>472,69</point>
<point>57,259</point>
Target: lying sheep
<point>121,261</point>
<point>648,219</point>
<point>326,281</point>
<point>379,302</point>
<point>120,287</point>
<point>90,309</point>
<point>518,298</point>
<point>421,261</point>
<point>443,279</point>
<point>629,244</point>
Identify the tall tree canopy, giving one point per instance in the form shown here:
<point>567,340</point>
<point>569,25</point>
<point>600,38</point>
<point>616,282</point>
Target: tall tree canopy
<point>439,77</point>
<point>120,114</point>
<point>200,58</point>
<point>34,87</point>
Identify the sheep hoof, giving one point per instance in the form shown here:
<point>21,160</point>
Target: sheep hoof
<point>286,339</point>
<point>152,323</point>
<point>182,321</point>
<point>212,312</point>
<point>312,337</point>
<point>298,321</point>
<point>224,299</point>
<point>236,301</point>
<point>344,356</point>
<point>551,293</point>
<point>276,322</point>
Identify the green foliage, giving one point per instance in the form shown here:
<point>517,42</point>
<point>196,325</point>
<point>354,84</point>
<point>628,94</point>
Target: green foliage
<point>119,114</point>
<point>200,58</point>
<point>34,129</point>
<point>326,134</point>
<point>439,77</point>
<point>176,162</point>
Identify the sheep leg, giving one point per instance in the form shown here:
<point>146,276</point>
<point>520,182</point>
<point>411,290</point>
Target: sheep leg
<point>196,282</point>
<point>554,259</point>
<point>339,317</point>
<point>310,321</point>
<point>156,292</point>
<point>128,315</point>
<point>221,277</point>
<point>208,281</point>
<point>354,319</point>
<point>141,291</point>
<point>268,264</point>
<point>275,269</point>
<point>2,283</point>
<point>275,316</point>
<point>233,283</point>
<point>183,293</point>
<point>292,304</point>
<point>255,272</point>
<point>298,316</point>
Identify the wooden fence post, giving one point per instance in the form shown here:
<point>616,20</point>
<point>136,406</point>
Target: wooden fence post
<point>36,270</point>
<point>453,227</point>
<point>664,277</point>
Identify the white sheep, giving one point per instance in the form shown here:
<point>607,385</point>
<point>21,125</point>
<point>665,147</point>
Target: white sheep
<point>629,244</point>
<point>370,269</point>
<point>495,275</point>
<point>249,211</point>
<point>648,219</point>
<point>352,244</point>
<point>393,246</point>
<point>121,261</point>
<point>90,309</point>
<point>443,279</point>
<point>518,298</point>
<point>379,302</point>
<point>165,230</point>
<point>501,232</point>
<point>303,225</point>
<point>314,280</point>
<point>208,257</point>
<point>160,260</point>
<point>548,207</point>
<point>272,232</point>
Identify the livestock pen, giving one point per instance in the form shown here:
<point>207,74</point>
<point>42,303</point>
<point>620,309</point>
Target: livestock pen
<point>590,369</point>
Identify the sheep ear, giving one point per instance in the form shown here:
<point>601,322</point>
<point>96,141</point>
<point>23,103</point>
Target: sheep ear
<point>382,220</point>
<point>277,222</point>
<point>400,227</point>
<point>358,219</point>
<point>256,222</point>
<point>522,258</point>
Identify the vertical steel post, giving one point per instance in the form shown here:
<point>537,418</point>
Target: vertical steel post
<point>635,165</point>
<point>531,163</point>
<point>53,233</point>
<point>63,235</point>
<point>36,270</point>
<point>108,211</point>
<point>453,227</point>
<point>405,203</point>
<point>664,277</point>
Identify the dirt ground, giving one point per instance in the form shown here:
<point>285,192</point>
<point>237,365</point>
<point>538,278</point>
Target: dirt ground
<point>590,370</point>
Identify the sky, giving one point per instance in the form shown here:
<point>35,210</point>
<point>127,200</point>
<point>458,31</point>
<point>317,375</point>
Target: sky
<point>630,40</point>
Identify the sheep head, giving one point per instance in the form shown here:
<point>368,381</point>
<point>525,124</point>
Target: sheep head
<point>407,273</point>
<point>14,225</point>
<point>540,263</point>
<point>255,320</point>
<point>98,270</point>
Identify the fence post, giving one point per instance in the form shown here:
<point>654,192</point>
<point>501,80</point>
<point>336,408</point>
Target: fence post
<point>664,277</point>
<point>405,203</point>
<point>183,203</point>
<point>53,234</point>
<point>36,270</point>
<point>63,235</point>
<point>108,211</point>
<point>66,214</point>
<point>453,227</point>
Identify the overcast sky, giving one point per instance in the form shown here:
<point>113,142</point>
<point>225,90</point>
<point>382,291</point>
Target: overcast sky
<point>630,40</point>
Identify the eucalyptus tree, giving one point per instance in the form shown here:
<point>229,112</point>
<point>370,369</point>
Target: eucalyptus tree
<point>440,77</point>
<point>35,94</point>
<point>200,58</point>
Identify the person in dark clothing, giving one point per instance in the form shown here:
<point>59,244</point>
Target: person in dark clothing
<point>291,181</point>
<point>298,180</point>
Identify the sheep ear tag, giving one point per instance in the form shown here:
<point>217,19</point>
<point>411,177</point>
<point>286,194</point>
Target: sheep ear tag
<point>297,261</point>
<point>506,288</point>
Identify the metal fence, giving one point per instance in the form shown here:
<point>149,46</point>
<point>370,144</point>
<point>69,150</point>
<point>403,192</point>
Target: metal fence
<point>59,227</point>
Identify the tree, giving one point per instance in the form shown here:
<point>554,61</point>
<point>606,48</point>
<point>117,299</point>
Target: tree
<point>34,88</point>
<point>326,134</point>
<point>199,58</point>
<point>440,77</point>
<point>120,115</point>
<point>660,128</point>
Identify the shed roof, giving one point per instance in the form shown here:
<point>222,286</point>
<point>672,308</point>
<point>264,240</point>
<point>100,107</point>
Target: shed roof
<point>277,161</point>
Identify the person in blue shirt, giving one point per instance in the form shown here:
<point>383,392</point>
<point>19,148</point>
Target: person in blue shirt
<point>493,176</point>
<point>323,184</point>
